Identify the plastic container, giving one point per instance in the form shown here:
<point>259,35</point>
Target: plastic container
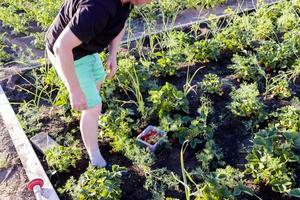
<point>152,147</point>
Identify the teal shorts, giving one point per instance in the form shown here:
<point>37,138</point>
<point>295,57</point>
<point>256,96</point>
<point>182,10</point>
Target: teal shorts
<point>90,71</point>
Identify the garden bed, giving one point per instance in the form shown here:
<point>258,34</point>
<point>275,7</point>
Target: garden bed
<point>21,40</point>
<point>231,91</point>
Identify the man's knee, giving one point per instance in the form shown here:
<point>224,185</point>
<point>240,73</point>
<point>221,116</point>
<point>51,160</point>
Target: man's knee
<point>96,110</point>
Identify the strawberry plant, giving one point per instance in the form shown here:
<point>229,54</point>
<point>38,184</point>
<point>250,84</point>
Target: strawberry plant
<point>208,154</point>
<point>28,115</point>
<point>164,65</point>
<point>267,54</point>
<point>206,50</point>
<point>267,161</point>
<point>209,3</point>
<point>211,84</point>
<point>224,183</point>
<point>10,19</point>
<point>287,20</point>
<point>142,157</point>
<point>293,138</point>
<point>245,101</point>
<point>158,181</point>
<point>236,36</point>
<point>117,125</point>
<point>62,158</point>
<point>278,86</point>
<point>286,54</point>
<point>294,72</point>
<point>277,55</point>
<point>174,50</point>
<point>174,41</point>
<point>287,119</point>
<point>193,132</point>
<point>264,28</point>
<point>198,126</point>
<point>173,122</point>
<point>246,68</point>
<point>167,99</point>
<point>169,7</point>
<point>291,39</point>
<point>95,183</point>
<point>118,122</point>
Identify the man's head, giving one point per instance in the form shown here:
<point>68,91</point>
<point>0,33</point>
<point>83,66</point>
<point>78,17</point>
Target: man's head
<point>139,2</point>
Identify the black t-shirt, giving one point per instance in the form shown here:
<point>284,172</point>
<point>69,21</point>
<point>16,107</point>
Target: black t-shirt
<point>94,22</point>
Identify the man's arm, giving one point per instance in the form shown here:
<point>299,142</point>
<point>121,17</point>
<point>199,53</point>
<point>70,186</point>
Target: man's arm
<point>113,50</point>
<point>64,55</point>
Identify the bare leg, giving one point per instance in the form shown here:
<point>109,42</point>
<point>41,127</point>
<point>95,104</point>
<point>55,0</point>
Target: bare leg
<point>89,133</point>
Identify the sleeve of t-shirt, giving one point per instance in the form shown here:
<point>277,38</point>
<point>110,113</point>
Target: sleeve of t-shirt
<point>87,22</point>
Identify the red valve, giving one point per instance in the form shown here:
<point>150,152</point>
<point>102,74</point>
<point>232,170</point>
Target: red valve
<point>35,182</point>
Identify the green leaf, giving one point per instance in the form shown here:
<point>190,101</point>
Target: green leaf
<point>242,188</point>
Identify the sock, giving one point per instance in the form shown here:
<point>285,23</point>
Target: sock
<point>97,159</point>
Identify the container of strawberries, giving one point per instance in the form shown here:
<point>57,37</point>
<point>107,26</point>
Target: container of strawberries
<point>151,137</point>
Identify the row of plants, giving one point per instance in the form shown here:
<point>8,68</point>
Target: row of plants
<point>262,48</point>
<point>169,9</point>
<point>34,17</point>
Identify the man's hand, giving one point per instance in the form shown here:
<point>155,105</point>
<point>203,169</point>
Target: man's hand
<point>111,65</point>
<point>77,99</point>
<point>113,47</point>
